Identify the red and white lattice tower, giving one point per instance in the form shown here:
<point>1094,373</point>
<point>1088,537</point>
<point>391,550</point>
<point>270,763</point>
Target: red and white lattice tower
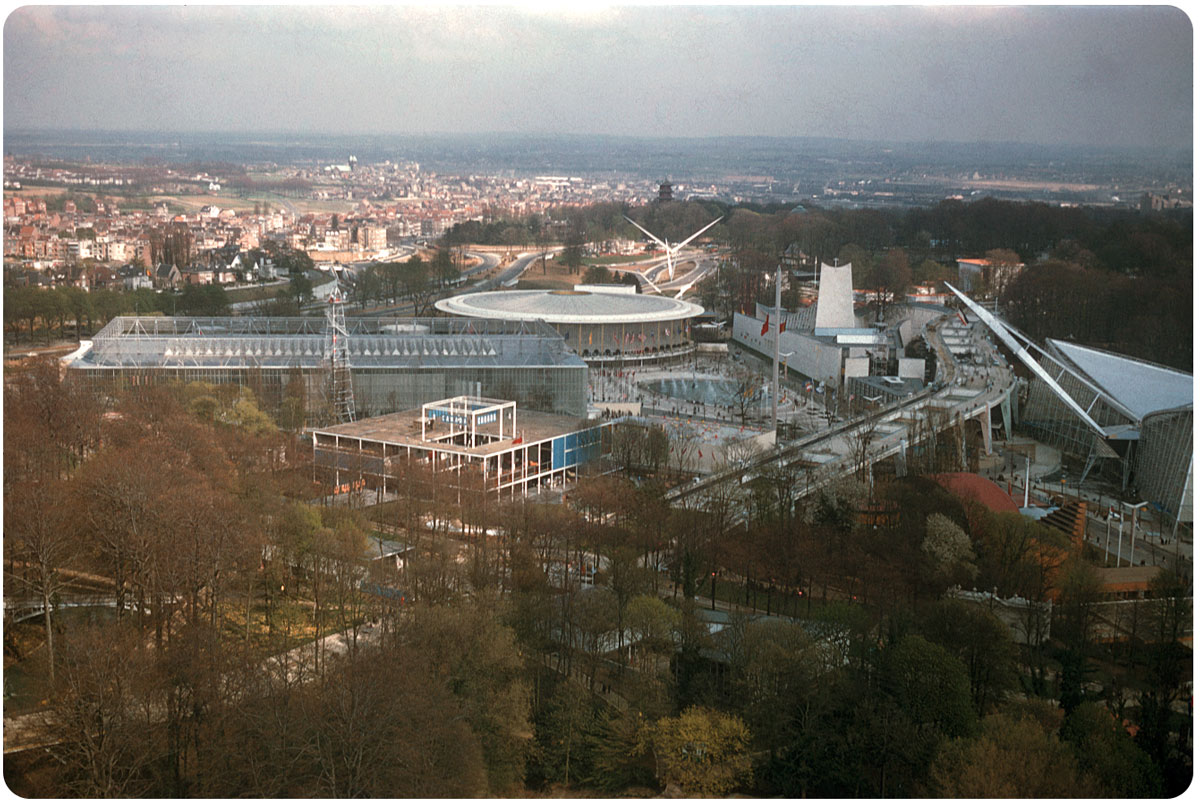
<point>341,386</point>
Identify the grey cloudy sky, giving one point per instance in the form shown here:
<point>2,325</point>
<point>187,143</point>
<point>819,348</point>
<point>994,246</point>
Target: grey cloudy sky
<point>1079,75</point>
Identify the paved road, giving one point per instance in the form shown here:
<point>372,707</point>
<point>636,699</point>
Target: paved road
<point>652,270</point>
<point>510,275</point>
<point>487,262</point>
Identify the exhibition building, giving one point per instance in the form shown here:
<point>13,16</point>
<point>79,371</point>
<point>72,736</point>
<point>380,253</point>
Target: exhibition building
<point>606,324</point>
<point>395,363</point>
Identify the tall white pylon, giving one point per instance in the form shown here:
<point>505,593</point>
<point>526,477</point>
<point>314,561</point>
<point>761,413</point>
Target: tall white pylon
<point>673,250</point>
<point>341,386</point>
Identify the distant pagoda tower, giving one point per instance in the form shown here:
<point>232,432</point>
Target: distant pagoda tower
<point>664,191</point>
<point>341,387</point>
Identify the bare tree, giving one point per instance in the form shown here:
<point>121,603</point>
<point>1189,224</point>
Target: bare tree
<point>685,449</point>
<point>860,446</point>
<point>101,715</point>
<point>39,541</point>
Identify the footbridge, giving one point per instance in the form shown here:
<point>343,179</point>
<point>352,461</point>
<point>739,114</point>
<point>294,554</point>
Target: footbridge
<point>964,394</point>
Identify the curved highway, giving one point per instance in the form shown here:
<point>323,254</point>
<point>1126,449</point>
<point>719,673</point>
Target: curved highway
<point>510,275</point>
<point>650,271</point>
<point>487,262</point>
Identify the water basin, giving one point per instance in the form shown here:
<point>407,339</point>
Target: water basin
<point>701,390</point>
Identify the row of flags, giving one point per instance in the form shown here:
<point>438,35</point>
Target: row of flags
<point>767,326</point>
<point>630,337</point>
<point>349,487</point>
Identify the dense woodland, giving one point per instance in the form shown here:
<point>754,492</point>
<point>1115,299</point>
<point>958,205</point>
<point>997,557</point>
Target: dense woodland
<point>485,666</point>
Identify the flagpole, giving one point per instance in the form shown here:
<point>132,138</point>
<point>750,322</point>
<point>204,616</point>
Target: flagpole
<point>775,372</point>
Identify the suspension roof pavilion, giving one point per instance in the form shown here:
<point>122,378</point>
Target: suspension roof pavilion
<point>1097,405</point>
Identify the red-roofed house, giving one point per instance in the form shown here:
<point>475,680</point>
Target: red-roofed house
<point>986,275</point>
<point>973,487</point>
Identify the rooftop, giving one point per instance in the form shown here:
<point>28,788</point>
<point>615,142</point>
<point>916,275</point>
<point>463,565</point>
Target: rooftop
<point>404,428</point>
<point>972,487</point>
<point>1141,387</point>
<point>569,306</point>
<point>298,342</point>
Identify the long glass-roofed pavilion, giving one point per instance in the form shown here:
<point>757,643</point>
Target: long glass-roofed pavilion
<point>395,363</point>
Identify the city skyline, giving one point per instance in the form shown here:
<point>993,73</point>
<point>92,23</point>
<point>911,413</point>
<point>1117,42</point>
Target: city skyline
<point>1037,75</point>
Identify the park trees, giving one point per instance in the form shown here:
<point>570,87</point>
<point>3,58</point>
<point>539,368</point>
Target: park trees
<point>373,736</point>
<point>949,550</point>
<point>572,252</point>
<point>597,274</point>
<point>929,271</point>
<point>651,622</point>
<point>477,657</point>
<point>703,752</point>
<point>983,644</point>
<point>50,426</point>
<point>100,714</point>
<point>442,267</point>
<point>930,684</point>
<point>1012,757</point>
<point>300,288</point>
<point>887,278</point>
<point>40,543</point>
<point>564,734</point>
<point>1108,755</point>
<point>637,446</point>
<point>778,673</point>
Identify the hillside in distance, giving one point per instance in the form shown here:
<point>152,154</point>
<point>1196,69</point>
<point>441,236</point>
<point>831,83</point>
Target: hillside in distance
<point>786,166</point>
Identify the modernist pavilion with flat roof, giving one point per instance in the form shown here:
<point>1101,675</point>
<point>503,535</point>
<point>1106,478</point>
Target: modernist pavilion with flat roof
<point>474,443</point>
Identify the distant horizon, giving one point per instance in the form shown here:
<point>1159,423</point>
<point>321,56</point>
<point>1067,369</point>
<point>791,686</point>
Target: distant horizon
<point>297,133</point>
<point>1080,76</point>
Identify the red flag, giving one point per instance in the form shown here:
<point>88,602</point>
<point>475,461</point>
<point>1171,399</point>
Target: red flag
<point>699,453</point>
<point>766,325</point>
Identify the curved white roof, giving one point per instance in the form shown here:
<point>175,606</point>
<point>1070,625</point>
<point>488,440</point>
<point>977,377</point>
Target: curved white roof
<point>569,306</point>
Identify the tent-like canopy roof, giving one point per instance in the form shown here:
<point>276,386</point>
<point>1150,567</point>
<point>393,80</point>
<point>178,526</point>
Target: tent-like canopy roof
<point>1142,387</point>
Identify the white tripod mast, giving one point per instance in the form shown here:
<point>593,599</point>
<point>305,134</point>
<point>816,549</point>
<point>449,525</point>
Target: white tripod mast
<point>673,250</point>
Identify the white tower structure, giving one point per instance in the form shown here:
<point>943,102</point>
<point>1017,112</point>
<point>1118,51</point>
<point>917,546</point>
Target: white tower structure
<point>673,250</point>
<point>835,299</point>
<point>341,386</point>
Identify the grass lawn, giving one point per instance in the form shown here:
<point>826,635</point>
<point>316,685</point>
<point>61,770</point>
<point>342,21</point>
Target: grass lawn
<point>291,624</point>
<point>620,259</point>
<point>544,284</point>
<point>239,294</point>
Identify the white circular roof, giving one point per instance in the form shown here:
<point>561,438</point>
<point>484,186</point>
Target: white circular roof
<point>569,306</point>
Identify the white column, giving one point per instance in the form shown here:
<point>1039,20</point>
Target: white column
<point>775,370</point>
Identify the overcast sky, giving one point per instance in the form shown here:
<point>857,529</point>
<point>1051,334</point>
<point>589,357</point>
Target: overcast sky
<point>1075,75</point>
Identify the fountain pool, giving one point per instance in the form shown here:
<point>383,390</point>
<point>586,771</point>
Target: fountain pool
<point>700,390</point>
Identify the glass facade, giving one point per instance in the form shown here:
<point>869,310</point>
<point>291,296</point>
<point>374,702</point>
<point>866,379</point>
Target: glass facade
<point>1164,465</point>
<point>1152,455</point>
<point>395,363</point>
<point>1048,419</point>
